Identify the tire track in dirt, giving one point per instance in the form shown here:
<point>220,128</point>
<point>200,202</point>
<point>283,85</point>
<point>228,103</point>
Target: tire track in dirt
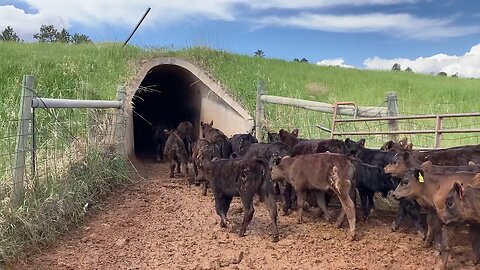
<point>161,223</point>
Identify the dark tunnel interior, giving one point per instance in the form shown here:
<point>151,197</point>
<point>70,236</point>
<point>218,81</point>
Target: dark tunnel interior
<point>167,95</point>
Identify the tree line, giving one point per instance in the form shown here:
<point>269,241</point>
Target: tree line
<point>47,33</point>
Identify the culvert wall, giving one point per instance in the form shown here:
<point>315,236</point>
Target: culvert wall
<point>177,91</point>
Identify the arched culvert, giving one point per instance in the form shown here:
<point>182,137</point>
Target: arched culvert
<point>171,90</point>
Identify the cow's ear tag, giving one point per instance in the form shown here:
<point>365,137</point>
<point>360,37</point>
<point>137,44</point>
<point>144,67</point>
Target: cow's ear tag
<point>420,178</point>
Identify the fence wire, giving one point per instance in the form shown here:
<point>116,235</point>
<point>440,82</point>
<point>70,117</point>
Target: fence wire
<point>57,141</point>
<point>308,122</point>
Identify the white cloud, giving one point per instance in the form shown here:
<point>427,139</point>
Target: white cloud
<point>334,62</point>
<point>404,25</point>
<point>119,13</point>
<point>467,65</point>
<point>304,4</point>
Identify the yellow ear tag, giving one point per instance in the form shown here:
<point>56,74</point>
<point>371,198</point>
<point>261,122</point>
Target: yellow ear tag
<point>420,178</point>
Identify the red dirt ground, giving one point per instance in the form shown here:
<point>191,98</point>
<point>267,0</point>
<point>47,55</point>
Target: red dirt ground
<point>161,223</point>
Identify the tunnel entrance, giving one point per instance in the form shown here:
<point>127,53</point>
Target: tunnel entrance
<point>167,96</point>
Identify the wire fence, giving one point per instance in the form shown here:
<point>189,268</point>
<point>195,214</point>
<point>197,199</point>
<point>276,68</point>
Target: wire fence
<point>57,141</point>
<point>309,121</point>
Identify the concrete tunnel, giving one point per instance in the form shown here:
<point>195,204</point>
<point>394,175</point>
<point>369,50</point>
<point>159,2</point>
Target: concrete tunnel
<point>172,90</point>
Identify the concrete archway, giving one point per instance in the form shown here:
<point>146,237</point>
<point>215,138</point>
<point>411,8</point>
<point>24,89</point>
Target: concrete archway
<point>171,90</point>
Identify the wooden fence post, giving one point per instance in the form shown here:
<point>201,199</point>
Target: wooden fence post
<point>120,126</point>
<point>24,118</point>
<point>260,112</point>
<point>392,110</point>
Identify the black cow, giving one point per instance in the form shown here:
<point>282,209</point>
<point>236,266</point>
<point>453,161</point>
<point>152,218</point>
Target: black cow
<point>381,158</point>
<point>176,153</point>
<point>368,180</point>
<point>239,142</point>
<point>243,178</point>
<point>160,135</point>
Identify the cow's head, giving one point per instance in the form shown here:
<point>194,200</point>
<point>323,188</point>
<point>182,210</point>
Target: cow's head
<point>398,165</point>
<point>280,168</point>
<point>410,184</point>
<point>272,137</point>
<point>288,138</point>
<point>206,127</point>
<point>205,157</point>
<point>450,206</point>
<point>353,146</point>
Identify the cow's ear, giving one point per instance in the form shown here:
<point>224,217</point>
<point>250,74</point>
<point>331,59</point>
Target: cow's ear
<point>409,146</point>
<point>459,190</point>
<point>419,174</point>
<point>295,132</point>
<point>211,123</point>
<point>347,140</point>
<point>476,181</point>
<point>426,165</point>
<point>388,145</point>
<point>406,155</point>
<point>403,141</point>
<point>471,163</point>
<point>282,133</point>
<point>215,159</point>
<point>277,161</point>
<point>361,142</point>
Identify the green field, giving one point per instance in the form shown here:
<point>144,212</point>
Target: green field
<point>95,70</point>
<point>64,70</point>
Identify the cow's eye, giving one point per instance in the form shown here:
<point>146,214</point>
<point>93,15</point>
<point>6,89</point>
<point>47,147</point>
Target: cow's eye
<point>404,183</point>
<point>449,204</point>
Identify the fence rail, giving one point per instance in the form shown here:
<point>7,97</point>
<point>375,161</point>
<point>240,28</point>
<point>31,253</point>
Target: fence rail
<point>31,138</point>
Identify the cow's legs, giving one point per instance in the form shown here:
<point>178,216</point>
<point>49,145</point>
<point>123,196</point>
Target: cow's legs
<point>364,199</point>
<point>401,212</point>
<point>178,166</point>
<point>287,197</point>
<point>349,209</point>
<point>270,201</point>
<point>248,210</point>
<point>172,169</point>
<point>158,151</point>
<point>222,203</point>
<point>322,204</point>
<point>301,196</point>
<point>414,213</point>
<point>429,237</point>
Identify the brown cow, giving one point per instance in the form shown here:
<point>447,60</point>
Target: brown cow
<point>426,187</point>
<point>203,160</point>
<point>176,153</point>
<point>460,155</point>
<point>401,162</point>
<point>289,138</point>
<point>462,204</point>
<point>321,172</point>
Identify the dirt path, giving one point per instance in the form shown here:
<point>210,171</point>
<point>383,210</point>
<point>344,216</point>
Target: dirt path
<point>161,223</point>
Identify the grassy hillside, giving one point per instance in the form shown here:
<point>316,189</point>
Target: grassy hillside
<point>65,70</point>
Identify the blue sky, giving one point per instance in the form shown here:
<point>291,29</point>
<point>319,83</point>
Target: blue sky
<point>429,35</point>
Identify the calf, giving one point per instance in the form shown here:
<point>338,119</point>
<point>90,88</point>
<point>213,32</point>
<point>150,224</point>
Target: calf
<point>215,135</point>
<point>243,178</point>
<point>203,160</point>
<point>381,159</point>
<point>401,162</point>
<point>462,204</point>
<point>239,142</point>
<point>402,145</point>
<point>461,155</point>
<point>272,137</point>
<point>176,153</point>
<point>368,180</point>
<point>320,146</point>
<point>160,135</point>
<point>425,187</point>
<point>322,172</point>
<point>185,132</point>
<point>289,138</point>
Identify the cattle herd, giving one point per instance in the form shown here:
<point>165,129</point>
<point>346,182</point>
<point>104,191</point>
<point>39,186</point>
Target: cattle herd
<point>443,184</point>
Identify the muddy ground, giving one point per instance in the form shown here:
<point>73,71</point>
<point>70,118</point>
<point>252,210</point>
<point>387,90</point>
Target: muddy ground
<point>161,223</point>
